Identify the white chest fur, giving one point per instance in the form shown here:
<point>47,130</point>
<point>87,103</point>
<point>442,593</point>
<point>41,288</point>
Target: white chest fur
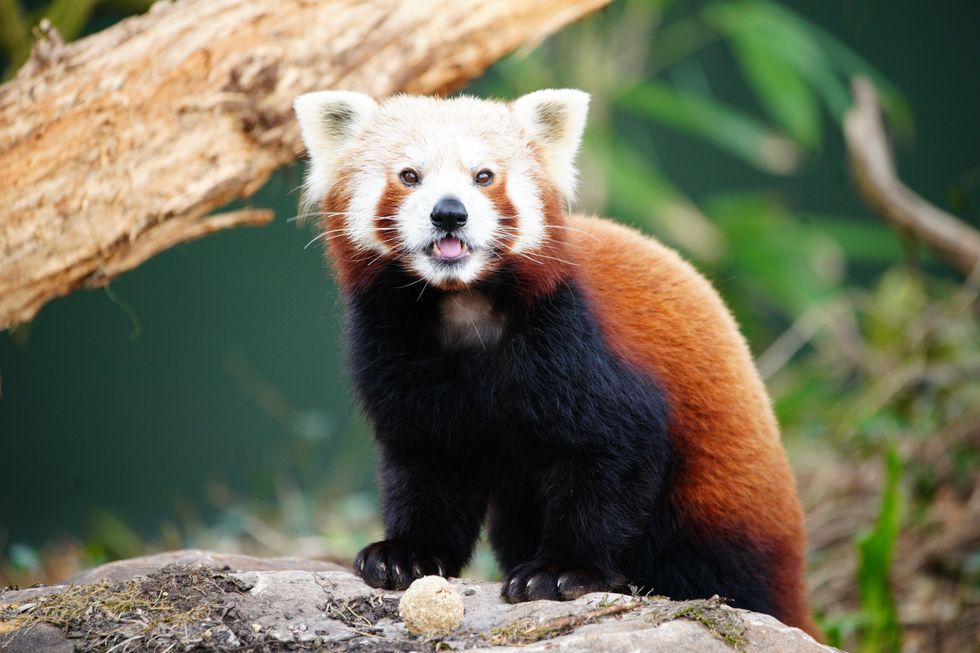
<point>467,319</point>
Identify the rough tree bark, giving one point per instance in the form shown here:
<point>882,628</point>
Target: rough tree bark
<point>120,145</point>
<point>874,170</point>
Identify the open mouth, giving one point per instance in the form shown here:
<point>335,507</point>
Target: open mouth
<point>449,249</point>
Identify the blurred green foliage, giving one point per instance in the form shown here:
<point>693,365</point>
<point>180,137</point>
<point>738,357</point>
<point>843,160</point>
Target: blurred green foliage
<point>795,69</point>
<point>879,616</point>
<point>779,268</point>
<point>870,348</point>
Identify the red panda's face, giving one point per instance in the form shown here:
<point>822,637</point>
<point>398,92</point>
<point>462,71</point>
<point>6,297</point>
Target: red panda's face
<point>447,188</point>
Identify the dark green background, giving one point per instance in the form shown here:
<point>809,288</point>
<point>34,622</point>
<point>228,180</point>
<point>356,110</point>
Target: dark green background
<point>235,374</point>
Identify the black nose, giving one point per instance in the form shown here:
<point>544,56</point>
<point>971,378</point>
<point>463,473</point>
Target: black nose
<point>448,213</point>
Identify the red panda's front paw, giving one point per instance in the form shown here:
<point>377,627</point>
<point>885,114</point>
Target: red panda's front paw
<point>394,564</point>
<point>532,581</point>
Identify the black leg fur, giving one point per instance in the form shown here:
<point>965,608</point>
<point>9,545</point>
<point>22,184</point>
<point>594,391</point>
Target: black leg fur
<point>514,522</point>
<point>432,515</point>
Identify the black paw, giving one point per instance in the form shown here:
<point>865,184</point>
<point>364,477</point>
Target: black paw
<point>393,565</point>
<point>536,580</point>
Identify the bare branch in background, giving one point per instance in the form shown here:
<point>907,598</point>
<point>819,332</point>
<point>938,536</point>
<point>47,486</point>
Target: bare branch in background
<point>119,145</point>
<point>874,170</point>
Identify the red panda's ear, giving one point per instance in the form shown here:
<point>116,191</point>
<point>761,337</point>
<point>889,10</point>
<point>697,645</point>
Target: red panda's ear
<point>328,122</point>
<point>555,119</point>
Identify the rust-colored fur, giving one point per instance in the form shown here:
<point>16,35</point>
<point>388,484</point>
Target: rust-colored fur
<point>662,316</point>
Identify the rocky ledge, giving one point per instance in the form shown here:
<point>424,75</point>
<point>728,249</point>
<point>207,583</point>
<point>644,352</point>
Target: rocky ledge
<point>201,601</point>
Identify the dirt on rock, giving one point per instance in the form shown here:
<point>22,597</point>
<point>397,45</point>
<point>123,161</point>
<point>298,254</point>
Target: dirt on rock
<point>363,611</point>
<point>175,608</point>
<point>209,606</point>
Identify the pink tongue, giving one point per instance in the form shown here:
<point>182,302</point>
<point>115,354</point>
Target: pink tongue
<point>451,247</point>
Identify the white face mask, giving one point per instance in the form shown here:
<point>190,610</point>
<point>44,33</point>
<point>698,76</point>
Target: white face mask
<point>446,187</point>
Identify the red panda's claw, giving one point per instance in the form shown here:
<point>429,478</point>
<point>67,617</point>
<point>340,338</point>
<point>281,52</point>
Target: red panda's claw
<point>393,564</point>
<point>533,581</point>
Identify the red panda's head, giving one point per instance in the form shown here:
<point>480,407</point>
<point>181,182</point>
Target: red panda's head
<point>450,189</point>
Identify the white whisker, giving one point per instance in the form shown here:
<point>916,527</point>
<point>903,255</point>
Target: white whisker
<point>322,236</point>
<point>533,260</point>
<point>420,280</point>
<point>567,228</point>
<point>555,258</point>
<point>372,261</point>
<point>422,291</point>
<point>477,332</point>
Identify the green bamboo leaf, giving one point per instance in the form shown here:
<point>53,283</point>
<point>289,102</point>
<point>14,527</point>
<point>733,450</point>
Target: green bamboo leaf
<point>849,63</point>
<point>787,97</point>
<point>728,129</point>
<point>817,57</point>
<point>794,40</point>
<point>785,264</point>
<point>767,59</point>
<point>862,240</point>
<point>641,192</point>
<point>875,552</point>
<point>678,40</point>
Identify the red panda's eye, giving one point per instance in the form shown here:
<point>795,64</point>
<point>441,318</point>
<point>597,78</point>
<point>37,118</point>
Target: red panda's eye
<point>484,177</point>
<point>409,177</point>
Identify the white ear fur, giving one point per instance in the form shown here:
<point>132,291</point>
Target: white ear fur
<point>555,119</point>
<point>328,120</point>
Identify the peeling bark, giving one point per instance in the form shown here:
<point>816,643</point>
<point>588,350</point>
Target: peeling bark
<point>118,146</point>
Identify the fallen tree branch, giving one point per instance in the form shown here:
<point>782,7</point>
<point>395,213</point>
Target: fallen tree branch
<point>874,170</point>
<point>118,146</point>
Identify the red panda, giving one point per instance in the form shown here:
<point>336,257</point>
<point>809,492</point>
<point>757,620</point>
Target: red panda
<point>570,383</point>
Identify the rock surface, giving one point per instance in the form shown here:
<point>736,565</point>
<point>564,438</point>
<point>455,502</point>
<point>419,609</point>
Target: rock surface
<point>196,600</point>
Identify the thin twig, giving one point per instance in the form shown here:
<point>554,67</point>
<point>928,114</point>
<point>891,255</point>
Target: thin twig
<point>874,170</point>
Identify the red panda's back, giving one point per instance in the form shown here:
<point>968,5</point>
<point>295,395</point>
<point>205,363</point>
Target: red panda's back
<point>660,314</point>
